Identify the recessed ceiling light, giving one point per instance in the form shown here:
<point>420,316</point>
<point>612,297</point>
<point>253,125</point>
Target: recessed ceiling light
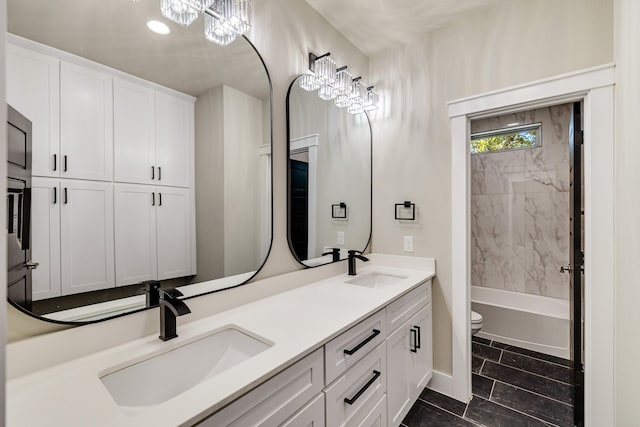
<point>513,124</point>
<point>158,27</point>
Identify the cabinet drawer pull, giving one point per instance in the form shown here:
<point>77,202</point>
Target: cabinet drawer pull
<point>351,401</point>
<point>418,336</point>
<point>55,162</point>
<point>153,199</point>
<point>159,173</point>
<point>375,333</point>
<point>160,196</point>
<point>66,196</point>
<point>55,195</point>
<point>153,172</point>
<point>65,163</point>
<point>414,340</point>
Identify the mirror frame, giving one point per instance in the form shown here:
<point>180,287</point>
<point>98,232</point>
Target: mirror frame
<point>266,257</point>
<point>289,241</point>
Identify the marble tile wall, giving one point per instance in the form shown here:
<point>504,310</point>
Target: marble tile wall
<point>520,208</point>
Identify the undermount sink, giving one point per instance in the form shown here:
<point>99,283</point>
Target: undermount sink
<point>376,280</point>
<point>166,375</point>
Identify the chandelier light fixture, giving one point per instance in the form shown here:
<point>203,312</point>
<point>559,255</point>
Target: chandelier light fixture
<point>338,85</point>
<point>224,20</point>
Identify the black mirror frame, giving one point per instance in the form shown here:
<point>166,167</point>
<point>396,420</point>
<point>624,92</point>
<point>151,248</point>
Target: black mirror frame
<point>288,153</point>
<point>266,257</point>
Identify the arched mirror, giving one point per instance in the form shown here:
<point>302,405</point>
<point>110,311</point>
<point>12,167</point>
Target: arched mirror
<point>146,158</point>
<point>329,179</point>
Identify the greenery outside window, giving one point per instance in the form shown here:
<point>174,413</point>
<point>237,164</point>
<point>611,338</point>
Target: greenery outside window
<point>511,138</point>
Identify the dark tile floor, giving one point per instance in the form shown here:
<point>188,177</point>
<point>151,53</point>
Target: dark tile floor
<point>511,386</point>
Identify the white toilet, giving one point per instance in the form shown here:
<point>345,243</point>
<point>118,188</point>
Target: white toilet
<point>476,322</point>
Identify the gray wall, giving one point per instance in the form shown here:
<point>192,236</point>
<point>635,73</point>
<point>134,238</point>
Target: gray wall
<point>520,208</point>
<point>511,43</point>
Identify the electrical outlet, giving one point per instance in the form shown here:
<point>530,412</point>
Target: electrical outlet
<point>408,243</point>
<point>341,237</point>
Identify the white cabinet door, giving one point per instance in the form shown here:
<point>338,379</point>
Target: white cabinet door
<point>133,132</point>
<point>135,228</point>
<point>422,359</point>
<point>33,88</point>
<point>86,123</point>
<point>311,415</point>
<point>174,119</point>
<point>86,219</point>
<point>45,240</point>
<point>174,232</point>
<point>399,370</point>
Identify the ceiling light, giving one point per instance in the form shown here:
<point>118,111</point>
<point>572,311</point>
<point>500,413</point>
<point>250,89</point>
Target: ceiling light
<point>158,27</point>
<point>224,20</point>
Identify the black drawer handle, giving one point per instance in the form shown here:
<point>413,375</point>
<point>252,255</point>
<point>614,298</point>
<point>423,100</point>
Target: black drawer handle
<point>55,195</point>
<point>153,199</point>
<point>418,335</point>
<point>375,333</point>
<point>65,163</point>
<point>153,172</point>
<point>414,340</point>
<point>351,401</point>
<point>55,162</point>
<point>159,173</point>
<point>66,196</point>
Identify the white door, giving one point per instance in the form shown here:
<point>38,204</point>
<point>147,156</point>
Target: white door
<point>135,228</point>
<point>422,359</point>
<point>173,146</point>
<point>399,371</point>
<point>86,123</point>
<point>86,218</point>
<point>33,88</point>
<point>174,232</point>
<point>133,133</point>
<point>45,237</point>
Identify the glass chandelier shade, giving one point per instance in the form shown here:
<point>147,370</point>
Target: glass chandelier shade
<point>309,82</point>
<point>371,101</point>
<point>178,11</point>
<point>325,70</point>
<point>224,19</point>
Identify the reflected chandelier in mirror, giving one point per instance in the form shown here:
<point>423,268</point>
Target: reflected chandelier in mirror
<point>151,157</point>
<point>329,177</point>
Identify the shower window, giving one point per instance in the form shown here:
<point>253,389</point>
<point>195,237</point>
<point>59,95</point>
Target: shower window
<point>510,138</point>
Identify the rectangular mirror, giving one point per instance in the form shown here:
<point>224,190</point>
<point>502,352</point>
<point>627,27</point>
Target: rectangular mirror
<point>150,157</point>
<point>329,178</point>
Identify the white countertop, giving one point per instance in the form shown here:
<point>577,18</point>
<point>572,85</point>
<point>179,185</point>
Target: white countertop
<point>296,321</point>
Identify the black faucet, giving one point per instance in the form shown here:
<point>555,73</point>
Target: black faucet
<point>170,308</point>
<point>151,289</point>
<point>335,254</point>
<point>352,261</point>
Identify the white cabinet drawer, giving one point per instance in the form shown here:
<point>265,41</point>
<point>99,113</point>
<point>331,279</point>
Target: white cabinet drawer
<point>312,415</point>
<point>406,306</point>
<point>352,397</point>
<point>273,402</point>
<point>345,350</point>
<point>377,417</point>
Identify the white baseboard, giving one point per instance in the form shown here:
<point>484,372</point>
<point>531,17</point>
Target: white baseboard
<point>442,383</point>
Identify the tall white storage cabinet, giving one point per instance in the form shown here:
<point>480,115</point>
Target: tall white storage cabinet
<point>45,227</point>
<point>86,123</point>
<point>134,132</point>
<point>33,88</point>
<point>135,227</point>
<point>86,235</point>
<point>174,232</point>
<point>174,123</point>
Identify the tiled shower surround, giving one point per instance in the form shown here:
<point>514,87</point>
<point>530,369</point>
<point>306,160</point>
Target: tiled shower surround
<point>520,208</point>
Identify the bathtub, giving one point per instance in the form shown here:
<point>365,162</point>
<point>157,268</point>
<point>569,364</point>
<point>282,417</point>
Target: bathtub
<point>529,321</point>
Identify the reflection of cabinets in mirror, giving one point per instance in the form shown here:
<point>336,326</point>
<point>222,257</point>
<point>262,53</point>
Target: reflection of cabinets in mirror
<point>89,121</point>
<point>72,236</point>
<point>151,136</point>
<point>153,233</point>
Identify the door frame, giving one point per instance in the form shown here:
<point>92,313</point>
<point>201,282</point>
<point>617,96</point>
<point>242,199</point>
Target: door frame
<point>309,144</point>
<point>596,87</point>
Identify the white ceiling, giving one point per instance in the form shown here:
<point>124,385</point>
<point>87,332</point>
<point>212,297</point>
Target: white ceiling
<point>114,33</point>
<point>377,25</point>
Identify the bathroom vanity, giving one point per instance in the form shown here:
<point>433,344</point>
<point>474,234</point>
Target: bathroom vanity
<point>348,350</point>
